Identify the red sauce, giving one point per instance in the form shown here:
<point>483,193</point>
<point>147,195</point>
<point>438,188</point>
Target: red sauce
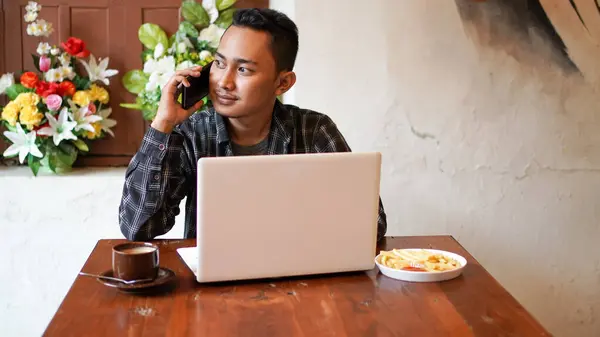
<point>413,269</point>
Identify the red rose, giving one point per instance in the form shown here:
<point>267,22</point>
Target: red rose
<point>75,47</point>
<point>44,89</point>
<point>29,79</point>
<point>36,128</point>
<point>66,88</point>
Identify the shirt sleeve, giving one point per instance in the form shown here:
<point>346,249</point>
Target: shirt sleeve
<point>328,138</point>
<point>154,186</point>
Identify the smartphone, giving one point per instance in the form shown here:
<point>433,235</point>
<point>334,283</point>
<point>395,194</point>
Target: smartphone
<point>198,88</point>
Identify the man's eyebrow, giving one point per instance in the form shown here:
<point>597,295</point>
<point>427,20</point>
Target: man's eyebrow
<point>236,59</point>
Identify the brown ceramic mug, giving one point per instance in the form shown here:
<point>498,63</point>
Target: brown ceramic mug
<point>135,261</point>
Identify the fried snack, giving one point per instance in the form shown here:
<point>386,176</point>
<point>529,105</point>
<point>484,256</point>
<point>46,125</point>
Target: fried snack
<point>417,260</point>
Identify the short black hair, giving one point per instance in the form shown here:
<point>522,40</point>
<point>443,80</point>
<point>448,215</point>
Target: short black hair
<point>283,31</point>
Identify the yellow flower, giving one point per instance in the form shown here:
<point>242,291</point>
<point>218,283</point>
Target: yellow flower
<point>11,113</point>
<point>81,98</point>
<point>97,130</point>
<point>30,116</point>
<point>27,99</point>
<point>98,93</point>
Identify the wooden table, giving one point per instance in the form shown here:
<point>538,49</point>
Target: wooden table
<point>354,304</point>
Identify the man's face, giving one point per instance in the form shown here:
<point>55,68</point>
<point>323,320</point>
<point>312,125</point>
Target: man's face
<point>243,79</point>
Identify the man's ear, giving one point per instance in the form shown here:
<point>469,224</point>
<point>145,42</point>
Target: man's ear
<point>286,80</point>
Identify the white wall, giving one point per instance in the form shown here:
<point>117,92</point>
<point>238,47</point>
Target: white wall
<point>499,154</point>
<point>50,225</point>
<point>504,155</point>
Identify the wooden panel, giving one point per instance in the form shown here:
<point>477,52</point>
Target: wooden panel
<point>109,28</point>
<point>166,18</point>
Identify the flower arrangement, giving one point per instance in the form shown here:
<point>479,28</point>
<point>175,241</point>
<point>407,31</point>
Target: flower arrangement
<point>194,43</point>
<point>53,114</point>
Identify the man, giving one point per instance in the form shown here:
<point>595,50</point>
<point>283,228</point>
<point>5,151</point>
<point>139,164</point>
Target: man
<point>253,65</point>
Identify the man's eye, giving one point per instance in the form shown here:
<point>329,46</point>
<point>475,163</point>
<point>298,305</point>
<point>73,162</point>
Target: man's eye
<point>242,69</point>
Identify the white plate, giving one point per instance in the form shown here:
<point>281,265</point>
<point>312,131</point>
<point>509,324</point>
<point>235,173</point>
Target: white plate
<point>422,276</point>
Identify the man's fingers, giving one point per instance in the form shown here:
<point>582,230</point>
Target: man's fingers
<point>171,86</point>
<point>196,107</point>
<point>193,71</point>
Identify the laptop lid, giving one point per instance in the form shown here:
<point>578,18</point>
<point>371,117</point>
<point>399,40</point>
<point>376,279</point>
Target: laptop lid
<point>285,215</point>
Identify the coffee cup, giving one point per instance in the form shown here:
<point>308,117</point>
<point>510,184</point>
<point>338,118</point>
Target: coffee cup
<point>135,261</point>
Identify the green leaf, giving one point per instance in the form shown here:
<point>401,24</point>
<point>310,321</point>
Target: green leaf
<point>172,39</point>
<point>59,158</point>
<point>133,106</point>
<point>81,83</point>
<point>52,160</point>
<point>81,145</point>
<point>36,61</point>
<point>225,18</point>
<point>148,113</point>
<point>147,54</point>
<point>188,29</point>
<point>195,13</point>
<point>66,153</point>
<point>33,163</point>
<point>224,4</point>
<point>135,81</point>
<point>151,34</point>
<point>14,90</point>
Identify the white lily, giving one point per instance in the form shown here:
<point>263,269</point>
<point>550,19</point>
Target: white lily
<point>34,29</point>
<point>22,144</point>
<point>107,123</point>
<point>210,6</point>
<point>98,71</point>
<point>30,16</point>
<point>64,59</point>
<point>33,6</point>
<point>160,71</point>
<point>45,27</point>
<point>6,81</point>
<point>54,75</point>
<point>43,48</point>
<point>66,72</point>
<point>159,50</point>
<point>83,117</point>
<point>185,65</point>
<point>204,55</point>
<point>59,129</point>
<point>212,34</point>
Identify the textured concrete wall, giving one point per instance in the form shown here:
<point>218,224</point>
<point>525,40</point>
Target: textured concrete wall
<point>485,135</point>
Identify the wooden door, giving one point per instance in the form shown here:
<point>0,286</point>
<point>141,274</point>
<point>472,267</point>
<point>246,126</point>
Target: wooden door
<point>109,28</point>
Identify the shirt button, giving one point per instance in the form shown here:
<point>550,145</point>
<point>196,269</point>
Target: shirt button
<point>156,177</point>
<point>161,147</point>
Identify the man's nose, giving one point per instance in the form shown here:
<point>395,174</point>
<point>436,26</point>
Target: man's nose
<point>226,81</point>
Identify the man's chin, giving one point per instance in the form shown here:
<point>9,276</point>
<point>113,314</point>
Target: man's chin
<point>227,111</point>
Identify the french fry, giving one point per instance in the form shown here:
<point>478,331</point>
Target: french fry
<point>417,260</point>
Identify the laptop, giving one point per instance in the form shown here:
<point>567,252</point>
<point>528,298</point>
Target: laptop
<point>285,215</point>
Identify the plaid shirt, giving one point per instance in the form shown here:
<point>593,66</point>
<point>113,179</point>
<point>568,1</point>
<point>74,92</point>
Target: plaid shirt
<point>163,171</point>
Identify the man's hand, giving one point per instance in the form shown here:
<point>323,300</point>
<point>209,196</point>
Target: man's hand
<point>170,113</point>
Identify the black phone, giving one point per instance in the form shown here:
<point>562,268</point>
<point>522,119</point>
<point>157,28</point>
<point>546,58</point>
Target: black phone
<point>198,88</point>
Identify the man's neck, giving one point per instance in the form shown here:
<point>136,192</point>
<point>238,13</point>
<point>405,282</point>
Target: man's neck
<point>250,130</point>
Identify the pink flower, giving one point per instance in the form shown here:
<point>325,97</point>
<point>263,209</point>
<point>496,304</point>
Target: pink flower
<point>44,63</point>
<point>53,102</point>
<point>91,109</point>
